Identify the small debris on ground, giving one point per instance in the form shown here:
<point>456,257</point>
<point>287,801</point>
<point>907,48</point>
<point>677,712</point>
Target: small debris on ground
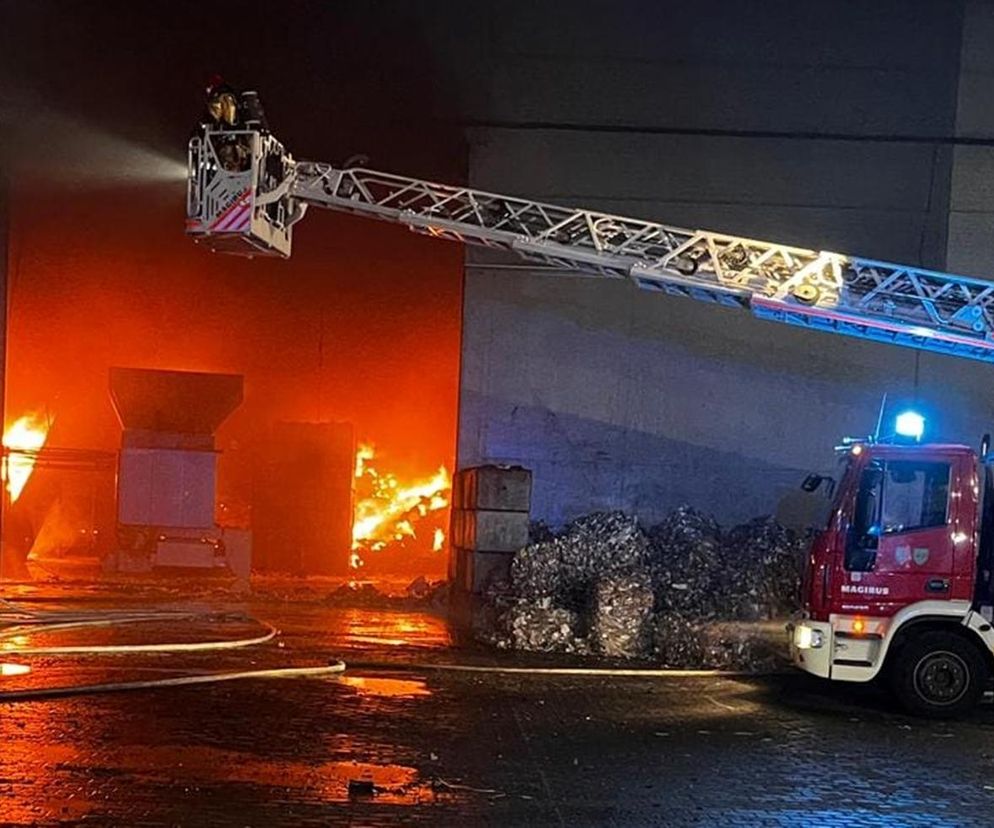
<point>419,594</point>
<point>361,787</point>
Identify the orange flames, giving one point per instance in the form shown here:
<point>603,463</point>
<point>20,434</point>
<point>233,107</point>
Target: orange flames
<point>389,511</point>
<point>22,439</point>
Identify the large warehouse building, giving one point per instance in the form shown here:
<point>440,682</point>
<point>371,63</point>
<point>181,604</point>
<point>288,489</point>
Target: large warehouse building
<point>853,135</point>
<point>856,127</point>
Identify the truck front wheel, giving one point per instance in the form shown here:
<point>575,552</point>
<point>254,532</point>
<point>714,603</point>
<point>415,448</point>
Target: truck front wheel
<point>938,674</point>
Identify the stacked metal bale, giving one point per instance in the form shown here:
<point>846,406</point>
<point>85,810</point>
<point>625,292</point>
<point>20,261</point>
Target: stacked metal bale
<point>687,563</point>
<point>590,548</point>
<point>683,642</point>
<point>595,570</point>
<point>539,626</point>
<point>603,585</point>
<point>763,569</point>
<point>622,615</point>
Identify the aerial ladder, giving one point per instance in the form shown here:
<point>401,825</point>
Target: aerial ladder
<point>901,580</point>
<point>247,202</point>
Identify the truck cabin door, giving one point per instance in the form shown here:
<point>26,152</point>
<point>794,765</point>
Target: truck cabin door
<point>900,545</point>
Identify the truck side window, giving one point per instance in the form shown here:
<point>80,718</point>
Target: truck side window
<point>899,496</point>
<point>915,496</point>
<point>861,544</point>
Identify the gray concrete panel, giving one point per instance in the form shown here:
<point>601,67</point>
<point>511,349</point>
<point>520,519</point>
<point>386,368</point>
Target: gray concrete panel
<point>811,193</point>
<point>971,243</point>
<point>702,169</point>
<point>975,115</point>
<point>841,66</point>
<point>622,399</point>
<point>971,206</point>
<point>661,409</point>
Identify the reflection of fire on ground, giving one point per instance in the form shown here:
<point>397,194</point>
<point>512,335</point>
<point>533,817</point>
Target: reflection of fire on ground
<point>398,524</point>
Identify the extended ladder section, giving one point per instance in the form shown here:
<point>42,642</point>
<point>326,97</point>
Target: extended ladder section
<point>893,303</point>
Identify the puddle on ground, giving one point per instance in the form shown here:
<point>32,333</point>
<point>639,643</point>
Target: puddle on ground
<point>324,782</point>
<point>390,627</point>
<point>395,784</point>
<point>401,688</point>
<point>13,642</point>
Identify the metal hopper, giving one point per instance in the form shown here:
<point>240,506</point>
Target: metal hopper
<point>174,402</point>
<point>167,474</point>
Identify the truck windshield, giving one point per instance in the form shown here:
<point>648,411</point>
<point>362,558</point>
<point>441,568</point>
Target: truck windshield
<point>915,496</point>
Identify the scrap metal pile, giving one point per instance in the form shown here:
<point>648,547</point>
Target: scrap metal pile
<point>679,594</point>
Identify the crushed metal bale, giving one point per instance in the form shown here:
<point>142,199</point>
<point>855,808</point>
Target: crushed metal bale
<point>684,593</point>
<point>538,626</point>
<point>687,563</point>
<point>621,612</point>
<point>566,566</point>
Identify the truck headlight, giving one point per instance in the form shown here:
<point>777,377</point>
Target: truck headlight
<point>806,638</point>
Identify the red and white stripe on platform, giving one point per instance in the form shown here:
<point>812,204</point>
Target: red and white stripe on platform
<point>237,217</point>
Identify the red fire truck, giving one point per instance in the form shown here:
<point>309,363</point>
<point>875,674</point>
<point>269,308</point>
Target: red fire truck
<point>898,582</point>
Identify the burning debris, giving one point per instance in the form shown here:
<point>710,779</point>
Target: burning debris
<point>22,440</point>
<point>676,593</point>
<point>388,512</point>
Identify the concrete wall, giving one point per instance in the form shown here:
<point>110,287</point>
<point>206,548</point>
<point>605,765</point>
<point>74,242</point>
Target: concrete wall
<point>822,125</point>
<point>971,206</point>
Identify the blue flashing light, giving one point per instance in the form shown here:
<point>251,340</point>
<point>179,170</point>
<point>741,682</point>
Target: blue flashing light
<point>910,424</point>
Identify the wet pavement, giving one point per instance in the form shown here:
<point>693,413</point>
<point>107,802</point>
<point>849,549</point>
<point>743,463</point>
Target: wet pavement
<point>399,741</point>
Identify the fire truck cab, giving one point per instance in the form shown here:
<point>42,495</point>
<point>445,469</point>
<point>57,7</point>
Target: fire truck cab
<point>898,582</point>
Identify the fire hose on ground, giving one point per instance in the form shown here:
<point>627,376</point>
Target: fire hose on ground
<point>19,621</point>
<point>15,621</point>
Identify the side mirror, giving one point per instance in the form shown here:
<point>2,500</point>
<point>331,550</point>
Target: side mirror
<point>813,482</point>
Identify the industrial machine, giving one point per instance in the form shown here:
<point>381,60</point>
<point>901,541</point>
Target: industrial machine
<point>302,499</point>
<point>899,582</point>
<point>167,472</point>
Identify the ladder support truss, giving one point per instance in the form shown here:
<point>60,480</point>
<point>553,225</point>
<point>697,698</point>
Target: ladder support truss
<point>814,289</point>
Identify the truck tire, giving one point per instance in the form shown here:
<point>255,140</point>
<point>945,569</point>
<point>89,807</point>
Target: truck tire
<point>939,675</point>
